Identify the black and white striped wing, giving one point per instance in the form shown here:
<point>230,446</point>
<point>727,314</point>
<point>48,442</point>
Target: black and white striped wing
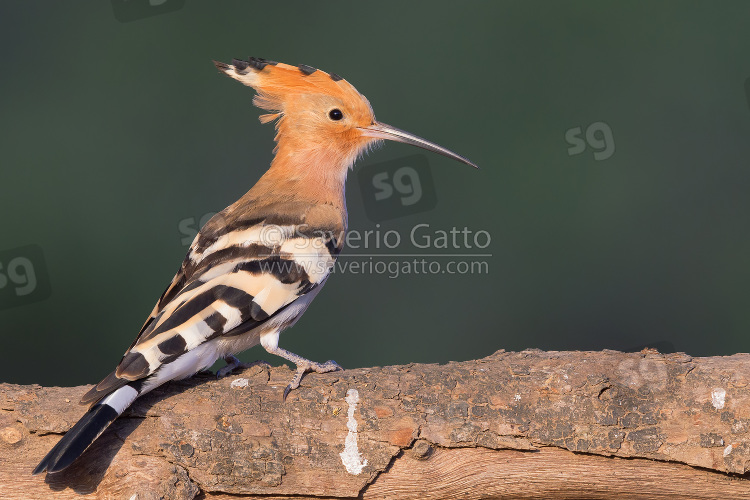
<point>235,284</point>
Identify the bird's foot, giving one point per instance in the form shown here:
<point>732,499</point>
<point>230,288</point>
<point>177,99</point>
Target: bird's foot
<point>305,367</point>
<point>233,363</point>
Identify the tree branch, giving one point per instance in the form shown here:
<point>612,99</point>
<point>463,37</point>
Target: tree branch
<point>513,425</point>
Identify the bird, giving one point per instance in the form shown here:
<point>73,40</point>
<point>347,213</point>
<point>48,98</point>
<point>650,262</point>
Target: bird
<point>253,269</point>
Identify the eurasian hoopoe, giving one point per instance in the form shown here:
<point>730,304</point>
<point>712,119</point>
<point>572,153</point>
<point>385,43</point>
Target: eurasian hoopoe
<point>255,267</point>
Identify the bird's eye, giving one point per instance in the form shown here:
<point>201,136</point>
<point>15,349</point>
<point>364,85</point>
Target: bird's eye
<point>335,114</point>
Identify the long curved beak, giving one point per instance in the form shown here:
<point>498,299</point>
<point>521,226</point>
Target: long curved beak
<point>380,130</point>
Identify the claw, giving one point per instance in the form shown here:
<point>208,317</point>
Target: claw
<point>310,366</point>
<point>336,366</point>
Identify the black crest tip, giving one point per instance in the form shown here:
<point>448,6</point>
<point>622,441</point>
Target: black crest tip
<point>306,70</point>
<point>335,77</point>
<point>221,66</point>
<point>266,61</point>
<point>259,63</point>
<point>239,64</point>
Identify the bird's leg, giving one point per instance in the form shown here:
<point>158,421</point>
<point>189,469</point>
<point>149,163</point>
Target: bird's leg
<point>304,366</point>
<point>270,342</point>
<point>233,363</point>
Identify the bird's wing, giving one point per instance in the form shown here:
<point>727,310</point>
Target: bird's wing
<point>233,278</point>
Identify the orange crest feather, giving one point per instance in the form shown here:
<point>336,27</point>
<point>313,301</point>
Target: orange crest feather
<point>279,83</point>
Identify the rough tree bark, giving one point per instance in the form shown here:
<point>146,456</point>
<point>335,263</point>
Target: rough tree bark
<point>513,425</point>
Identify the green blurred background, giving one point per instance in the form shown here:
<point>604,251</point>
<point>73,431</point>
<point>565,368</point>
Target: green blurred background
<point>116,136</point>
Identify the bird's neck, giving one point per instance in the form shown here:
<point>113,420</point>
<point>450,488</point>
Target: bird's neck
<point>316,174</point>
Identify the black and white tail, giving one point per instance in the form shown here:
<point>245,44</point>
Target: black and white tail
<point>87,429</point>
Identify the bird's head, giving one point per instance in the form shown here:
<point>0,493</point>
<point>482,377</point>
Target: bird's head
<point>318,111</point>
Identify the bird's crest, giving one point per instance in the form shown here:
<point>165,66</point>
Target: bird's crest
<point>280,85</point>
